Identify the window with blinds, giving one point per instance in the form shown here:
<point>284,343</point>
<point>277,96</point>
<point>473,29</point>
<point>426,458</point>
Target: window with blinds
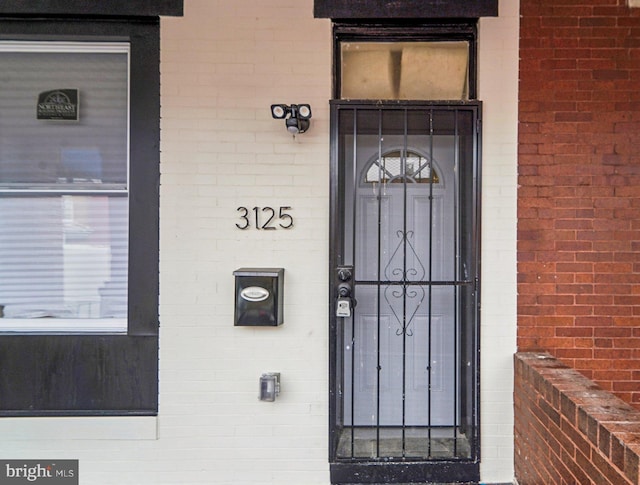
<point>64,186</point>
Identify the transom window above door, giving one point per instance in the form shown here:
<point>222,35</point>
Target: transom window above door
<point>407,70</point>
<point>413,62</point>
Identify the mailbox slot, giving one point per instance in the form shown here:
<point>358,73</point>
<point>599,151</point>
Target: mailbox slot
<point>258,297</point>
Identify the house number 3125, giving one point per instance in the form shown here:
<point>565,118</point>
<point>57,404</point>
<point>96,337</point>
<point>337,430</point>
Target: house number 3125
<point>266,218</point>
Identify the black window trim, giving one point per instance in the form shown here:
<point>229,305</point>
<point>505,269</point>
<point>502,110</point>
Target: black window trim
<point>374,9</point>
<point>111,8</point>
<point>62,375</point>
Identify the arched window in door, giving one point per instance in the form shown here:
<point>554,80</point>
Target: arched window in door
<point>397,167</point>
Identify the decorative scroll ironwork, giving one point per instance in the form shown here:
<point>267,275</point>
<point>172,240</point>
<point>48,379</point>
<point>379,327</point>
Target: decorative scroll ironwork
<point>405,290</point>
<point>401,270</point>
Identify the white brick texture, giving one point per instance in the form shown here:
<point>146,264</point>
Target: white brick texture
<point>498,89</point>
<point>223,64</point>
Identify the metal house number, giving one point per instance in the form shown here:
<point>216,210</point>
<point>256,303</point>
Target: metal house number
<point>266,218</point>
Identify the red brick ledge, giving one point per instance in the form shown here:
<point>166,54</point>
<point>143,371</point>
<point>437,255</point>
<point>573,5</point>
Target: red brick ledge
<point>569,430</point>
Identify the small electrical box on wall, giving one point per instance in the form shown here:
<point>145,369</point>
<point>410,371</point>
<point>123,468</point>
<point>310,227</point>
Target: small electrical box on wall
<point>259,296</point>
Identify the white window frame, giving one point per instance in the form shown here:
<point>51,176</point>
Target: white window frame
<point>55,326</point>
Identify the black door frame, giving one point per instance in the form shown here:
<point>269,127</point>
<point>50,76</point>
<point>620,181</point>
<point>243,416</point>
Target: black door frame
<point>400,471</point>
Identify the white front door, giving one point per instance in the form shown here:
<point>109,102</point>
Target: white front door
<point>401,361</point>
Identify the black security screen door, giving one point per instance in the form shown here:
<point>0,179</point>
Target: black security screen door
<point>404,318</point>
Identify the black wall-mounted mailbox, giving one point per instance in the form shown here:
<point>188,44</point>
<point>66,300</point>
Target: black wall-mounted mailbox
<point>259,295</point>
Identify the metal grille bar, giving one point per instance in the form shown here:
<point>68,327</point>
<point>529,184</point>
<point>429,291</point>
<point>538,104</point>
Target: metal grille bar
<point>407,421</point>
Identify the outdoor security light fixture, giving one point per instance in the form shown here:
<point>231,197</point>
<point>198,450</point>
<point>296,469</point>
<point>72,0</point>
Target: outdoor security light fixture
<point>269,386</point>
<point>296,117</point>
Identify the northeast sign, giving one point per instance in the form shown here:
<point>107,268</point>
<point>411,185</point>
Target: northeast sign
<point>58,104</point>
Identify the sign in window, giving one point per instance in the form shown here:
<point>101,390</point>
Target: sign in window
<point>64,186</point>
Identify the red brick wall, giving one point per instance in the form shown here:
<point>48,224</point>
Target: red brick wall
<point>568,431</point>
<point>579,196</point>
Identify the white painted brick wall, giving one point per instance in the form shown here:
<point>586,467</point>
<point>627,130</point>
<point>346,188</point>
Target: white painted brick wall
<point>498,89</point>
<point>223,64</point>
<point>221,150</point>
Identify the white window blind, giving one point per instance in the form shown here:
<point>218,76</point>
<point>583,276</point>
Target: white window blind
<point>64,193</point>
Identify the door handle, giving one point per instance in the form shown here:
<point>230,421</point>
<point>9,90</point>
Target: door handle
<point>344,290</point>
<point>345,302</point>
<point>345,273</point>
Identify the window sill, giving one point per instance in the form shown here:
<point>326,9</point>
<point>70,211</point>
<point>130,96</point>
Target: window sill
<point>63,325</point>
<point>79,428</point>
